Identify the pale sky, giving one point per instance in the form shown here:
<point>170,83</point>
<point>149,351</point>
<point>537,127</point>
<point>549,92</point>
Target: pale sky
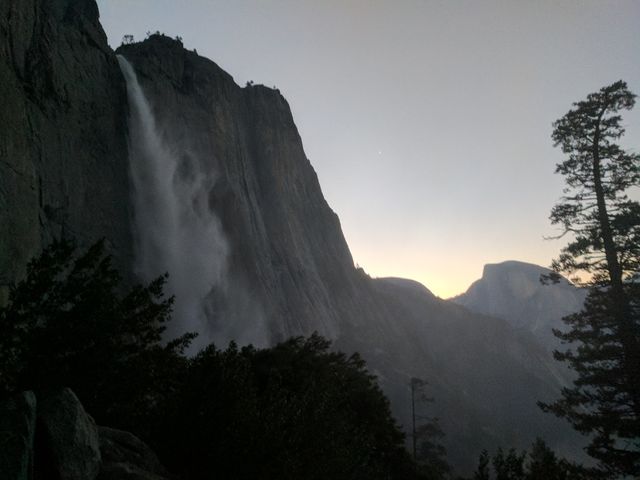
<point>428,122</point>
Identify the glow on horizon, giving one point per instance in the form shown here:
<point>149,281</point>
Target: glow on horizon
<point>444,275</point>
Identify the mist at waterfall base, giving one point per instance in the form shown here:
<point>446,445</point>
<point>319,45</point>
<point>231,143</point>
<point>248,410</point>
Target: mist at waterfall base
<point>175,231</point>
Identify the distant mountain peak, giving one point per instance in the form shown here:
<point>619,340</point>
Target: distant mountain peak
<point>410,285</point>
<point>513,265</point>
<point>512,290</point>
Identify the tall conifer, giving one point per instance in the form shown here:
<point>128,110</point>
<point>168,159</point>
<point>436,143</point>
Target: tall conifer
<point>603,253</point>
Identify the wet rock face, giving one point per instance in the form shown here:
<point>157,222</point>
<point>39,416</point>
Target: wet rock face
<point>63,152</point>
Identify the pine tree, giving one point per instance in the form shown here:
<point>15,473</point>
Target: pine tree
<point>69,323</point>
<point>428,451</point>
<point>544,464</point>
<point>509,466</point>
<point>604,254</point>
<point>483,470</point>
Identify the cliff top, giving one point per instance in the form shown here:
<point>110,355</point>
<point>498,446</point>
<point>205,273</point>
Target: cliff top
<point>167,51</point>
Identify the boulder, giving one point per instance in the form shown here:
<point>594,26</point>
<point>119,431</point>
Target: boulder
<point>17,428</point>
<point>68,437</point>
<point>126,455</point>
<point>125,471</point>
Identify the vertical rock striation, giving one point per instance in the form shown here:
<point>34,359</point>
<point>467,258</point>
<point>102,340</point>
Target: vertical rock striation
<point>288,263</point>
<point>63,154</point>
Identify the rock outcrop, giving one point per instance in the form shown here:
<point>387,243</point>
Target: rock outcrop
<point>68,437</point>
<point>17,434</point>
<point>65,443</point>
<point>126,456</point>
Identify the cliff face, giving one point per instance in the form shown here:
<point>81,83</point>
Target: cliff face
<point>63,155</point>
<point>64,171</point>
<point>289,266</point>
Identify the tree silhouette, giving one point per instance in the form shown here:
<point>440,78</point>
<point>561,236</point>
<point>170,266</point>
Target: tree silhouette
<point>426,435</point>
<point>483,471</point>
<point>296,410</point>
<point>540,463</point>
<point>509,466</point>
<point>68,324</point>
<point>604,253</point>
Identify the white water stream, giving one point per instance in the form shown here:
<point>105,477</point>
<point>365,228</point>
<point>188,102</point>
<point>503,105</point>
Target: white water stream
<point>175,230</point>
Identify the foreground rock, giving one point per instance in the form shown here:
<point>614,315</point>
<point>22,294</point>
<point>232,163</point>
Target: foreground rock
<point>55,438</point>
<point>70,437</point>
<point>125,456</point>
<point>17,431</point>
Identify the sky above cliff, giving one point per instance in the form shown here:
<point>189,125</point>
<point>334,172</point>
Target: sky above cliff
<point>427,121</point>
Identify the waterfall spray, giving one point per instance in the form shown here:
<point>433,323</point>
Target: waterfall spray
<point>175,230</point>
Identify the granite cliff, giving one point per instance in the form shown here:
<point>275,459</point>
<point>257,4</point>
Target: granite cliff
<point>63,154</point>
<point>289,267</point>
<point>64,171</point>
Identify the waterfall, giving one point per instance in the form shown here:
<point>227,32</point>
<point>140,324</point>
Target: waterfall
<point>175,231</point>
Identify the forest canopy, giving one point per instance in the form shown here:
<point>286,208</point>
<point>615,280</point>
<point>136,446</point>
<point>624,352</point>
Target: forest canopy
<point>296,410</point>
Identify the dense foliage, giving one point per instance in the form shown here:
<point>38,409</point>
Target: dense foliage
<point>540,463</point>
<point>297,410</point>
<point>68,325</point>
<point>604,226</point>
<point>431,455</point>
